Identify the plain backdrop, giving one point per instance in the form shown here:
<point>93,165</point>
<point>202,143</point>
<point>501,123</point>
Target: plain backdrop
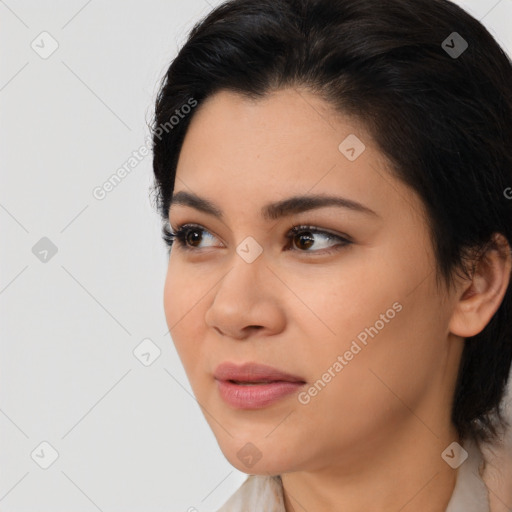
<point>81,277</point>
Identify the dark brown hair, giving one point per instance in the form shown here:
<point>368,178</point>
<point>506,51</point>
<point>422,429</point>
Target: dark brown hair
<point>441,112</point>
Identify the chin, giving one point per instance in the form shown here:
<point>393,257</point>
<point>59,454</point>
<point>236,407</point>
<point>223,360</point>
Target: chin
<point>265,468</point>
<point>259,457</point>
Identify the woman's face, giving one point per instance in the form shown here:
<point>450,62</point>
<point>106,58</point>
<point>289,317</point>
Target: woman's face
<point>361,325</point>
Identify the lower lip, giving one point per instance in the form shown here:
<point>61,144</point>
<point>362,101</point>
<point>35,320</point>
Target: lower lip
<point>255,396</point>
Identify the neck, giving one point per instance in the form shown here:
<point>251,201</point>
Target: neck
<point>405,473</point>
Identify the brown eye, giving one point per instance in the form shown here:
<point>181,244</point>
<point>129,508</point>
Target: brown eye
<point>304,240</point>
<point>193,236</point>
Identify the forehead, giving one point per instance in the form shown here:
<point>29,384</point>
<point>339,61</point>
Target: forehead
<point>245,152</point>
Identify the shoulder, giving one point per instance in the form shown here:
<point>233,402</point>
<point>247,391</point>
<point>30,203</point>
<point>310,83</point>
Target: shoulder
<point>258,492</point>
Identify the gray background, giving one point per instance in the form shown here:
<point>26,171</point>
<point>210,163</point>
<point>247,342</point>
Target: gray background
<point>128,436</point>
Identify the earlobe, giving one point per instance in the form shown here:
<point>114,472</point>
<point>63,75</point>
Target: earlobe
<point>480,298</point>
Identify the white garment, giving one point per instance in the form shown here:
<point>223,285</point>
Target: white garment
<point>259,493</point>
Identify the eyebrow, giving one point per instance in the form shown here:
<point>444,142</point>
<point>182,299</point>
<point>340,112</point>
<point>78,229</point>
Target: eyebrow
<point>273,211</point>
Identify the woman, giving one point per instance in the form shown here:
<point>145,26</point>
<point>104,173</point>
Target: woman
<point>332,176</point>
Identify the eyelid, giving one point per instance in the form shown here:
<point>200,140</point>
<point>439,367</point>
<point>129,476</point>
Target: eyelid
<point>189,226</point>
<point>317,229</point>
<point>343,240</point>
<point>182,230</point>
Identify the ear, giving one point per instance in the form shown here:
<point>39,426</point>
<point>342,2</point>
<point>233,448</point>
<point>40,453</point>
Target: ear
<point>481,296</point>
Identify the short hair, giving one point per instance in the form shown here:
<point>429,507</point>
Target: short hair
<point>440,111</point>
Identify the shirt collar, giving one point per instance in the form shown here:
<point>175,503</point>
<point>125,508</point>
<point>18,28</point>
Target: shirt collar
<point>470,493</point>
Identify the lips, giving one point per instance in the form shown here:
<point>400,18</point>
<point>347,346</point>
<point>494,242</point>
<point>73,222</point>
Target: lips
<point>254,386</point>
<point>253,373</point>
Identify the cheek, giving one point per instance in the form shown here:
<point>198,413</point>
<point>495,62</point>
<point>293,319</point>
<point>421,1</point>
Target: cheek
<point>343,302</point>
<point>365,399</point>
<point>391,343</point>
<point>183,307</point>
<point>347,323</point>
<point>184,294</point>
<point>174,301</point>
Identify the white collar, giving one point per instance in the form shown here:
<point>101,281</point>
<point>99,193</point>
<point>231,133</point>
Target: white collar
<point>470,493</point>
<point>265,493</point>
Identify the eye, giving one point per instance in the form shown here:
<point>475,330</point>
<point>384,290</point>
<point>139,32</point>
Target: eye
<point>189,237</point>
<point>304,238</point>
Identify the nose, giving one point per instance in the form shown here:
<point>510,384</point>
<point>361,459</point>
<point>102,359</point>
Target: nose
<point>246,300</point>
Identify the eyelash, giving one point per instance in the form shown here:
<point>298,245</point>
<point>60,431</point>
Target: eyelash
<point>183,230</point>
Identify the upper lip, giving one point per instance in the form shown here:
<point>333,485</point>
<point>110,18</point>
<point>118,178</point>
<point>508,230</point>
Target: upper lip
<point>253,372</point>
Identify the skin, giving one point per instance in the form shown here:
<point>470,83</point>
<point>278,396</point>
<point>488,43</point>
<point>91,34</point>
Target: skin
<point>372,438</point>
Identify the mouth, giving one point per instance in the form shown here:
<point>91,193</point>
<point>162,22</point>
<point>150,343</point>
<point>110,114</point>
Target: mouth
<point>254,386</point>
<point>253,373</point>
<point>242,383</point>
